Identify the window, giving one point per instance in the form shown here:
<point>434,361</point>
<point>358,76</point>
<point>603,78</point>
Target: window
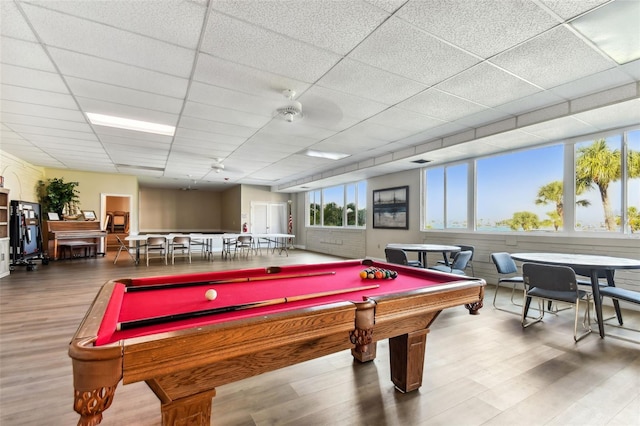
<point>327,206</point>
<point>520,191</point>
<point>446,197</point>
<point>586,185</point>
<point>632,170</point>
<point>598,190</point>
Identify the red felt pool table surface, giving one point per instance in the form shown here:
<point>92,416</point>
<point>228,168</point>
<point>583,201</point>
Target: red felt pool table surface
<point>183,361</point>
<point>131,306</point>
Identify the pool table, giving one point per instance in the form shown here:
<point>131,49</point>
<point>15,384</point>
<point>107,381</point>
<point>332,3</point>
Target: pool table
<point>164,331</point>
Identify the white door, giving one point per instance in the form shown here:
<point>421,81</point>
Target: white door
<point>268,218</point>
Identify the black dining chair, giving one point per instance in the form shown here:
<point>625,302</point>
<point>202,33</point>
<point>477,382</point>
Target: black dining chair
<point>452,256</point>
<point>554,283</point>
<point>399,257</point>
<point>507,275</point>
<point>459,264</point>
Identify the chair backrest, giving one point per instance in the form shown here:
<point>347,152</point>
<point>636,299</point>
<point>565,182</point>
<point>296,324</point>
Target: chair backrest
<point>396,256</point>
<point>182,240</point>
<point>244,239</point>
<point>504,263</point>
<point>461,259</point>
<point>549,277</point>
<point>156,241</point>
<point>467,248</point>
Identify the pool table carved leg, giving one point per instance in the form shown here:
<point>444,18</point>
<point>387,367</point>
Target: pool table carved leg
<point>476,306</point>
<point>91,404</point>
<point>362,335</point>
<point>406,353</point>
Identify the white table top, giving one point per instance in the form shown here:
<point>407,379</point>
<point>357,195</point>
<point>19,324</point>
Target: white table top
<point>588,261</point>
<point>424,247</point>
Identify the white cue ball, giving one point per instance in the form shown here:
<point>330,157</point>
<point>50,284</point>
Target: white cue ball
<point>211,294</point>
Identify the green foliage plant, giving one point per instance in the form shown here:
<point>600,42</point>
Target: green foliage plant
<point>56,195</point>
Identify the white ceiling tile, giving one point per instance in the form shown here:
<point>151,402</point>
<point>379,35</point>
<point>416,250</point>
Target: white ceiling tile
<point>487,85</point>
<point>592,83</point>
<point>219,72</point>
<point>232,99</point>
<point>387,5</point>
<point>298,128</point>
<point>33,79</point>
<point>213,138</point>
<point>571,9</point>
<point>258,47</point>
<point>556,57</point>
<point>482,117</point>
<point>80,35</point>
<point>27,130</point>
<point>402,49</point>
<point>39,122</point>
<point>406,122</point>
<point>44,111</point>
<point>437,104</point>
<point>32,96</point>
<point>25,54</point>
<point>13,24</point>
<point>216,127</point>
<point>322,98</point>
<point>362,80</point>
<point>336,25</point>
<point>171,21</point>
<point>530,103</point>
<point>483,27</point>
<point>120,95</point>
<point>215,113</point>
<point>105,71</point>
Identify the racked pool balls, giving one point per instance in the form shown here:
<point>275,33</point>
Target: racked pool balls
<point>378,274</point>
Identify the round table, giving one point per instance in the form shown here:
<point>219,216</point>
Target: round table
<point>593,263</point>
<point>423,249</point>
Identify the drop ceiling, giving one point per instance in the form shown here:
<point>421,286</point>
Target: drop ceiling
<point>385,81</point>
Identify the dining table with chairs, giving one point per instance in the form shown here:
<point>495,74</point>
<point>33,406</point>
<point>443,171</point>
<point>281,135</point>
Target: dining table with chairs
<point>595,265</point>
<point>423,249</point>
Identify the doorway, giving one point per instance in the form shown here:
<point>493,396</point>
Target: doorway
<point>115,211</point>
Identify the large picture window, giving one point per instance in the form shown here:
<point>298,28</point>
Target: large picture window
<point>338,206</point>
<point>587,185</point>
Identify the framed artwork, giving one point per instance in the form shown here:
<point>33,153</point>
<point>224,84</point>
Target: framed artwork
<point>391,208</point>
<point>89,214</point>
<point>53,216</point>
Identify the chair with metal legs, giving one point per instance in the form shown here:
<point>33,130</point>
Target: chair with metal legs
<point>506,268</point>
<point>554,283</point>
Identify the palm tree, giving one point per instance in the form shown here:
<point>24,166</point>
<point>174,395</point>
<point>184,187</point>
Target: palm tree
<point>598,165</point>
<point>526,220</point>
<point>551,193</point>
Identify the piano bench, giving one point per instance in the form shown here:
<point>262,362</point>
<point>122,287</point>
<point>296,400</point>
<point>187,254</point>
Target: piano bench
<point>90,249</point>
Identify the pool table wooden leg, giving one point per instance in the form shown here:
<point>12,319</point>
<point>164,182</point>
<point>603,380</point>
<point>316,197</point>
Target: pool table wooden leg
<point>406,354</point>
<point>194,410</point>
<point>364,349</point>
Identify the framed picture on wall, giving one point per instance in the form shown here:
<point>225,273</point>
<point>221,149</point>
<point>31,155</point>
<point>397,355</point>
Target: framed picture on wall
<point>391,208</point>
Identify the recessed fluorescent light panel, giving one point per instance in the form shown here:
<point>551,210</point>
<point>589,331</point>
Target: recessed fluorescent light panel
<point>614,29</point>
<point>128,124</point>
<point>324,154</point>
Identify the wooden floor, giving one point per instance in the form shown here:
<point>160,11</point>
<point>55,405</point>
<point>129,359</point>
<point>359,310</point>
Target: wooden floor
<point>479,370</point>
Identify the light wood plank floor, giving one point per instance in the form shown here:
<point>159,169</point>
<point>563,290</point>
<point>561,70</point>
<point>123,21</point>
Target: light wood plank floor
<point>479,370</point>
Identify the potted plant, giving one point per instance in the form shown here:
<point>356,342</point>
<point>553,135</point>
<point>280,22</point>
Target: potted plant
<point>59,196</point>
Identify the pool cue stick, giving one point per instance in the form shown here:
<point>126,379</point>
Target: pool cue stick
<point>227,281</point>
<point>127,325</point>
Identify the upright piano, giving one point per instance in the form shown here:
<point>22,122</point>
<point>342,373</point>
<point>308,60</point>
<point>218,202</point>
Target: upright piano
<point>60,232</point>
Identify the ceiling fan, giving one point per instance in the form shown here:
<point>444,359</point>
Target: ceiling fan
<point>188,187</point>
<point>292,111</point>
<point>217,166</point>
